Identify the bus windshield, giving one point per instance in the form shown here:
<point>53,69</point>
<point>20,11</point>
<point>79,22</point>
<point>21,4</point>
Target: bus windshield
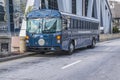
<point>45,25</point>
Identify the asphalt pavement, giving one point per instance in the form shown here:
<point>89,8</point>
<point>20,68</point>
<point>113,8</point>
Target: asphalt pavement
<point>100,63</point>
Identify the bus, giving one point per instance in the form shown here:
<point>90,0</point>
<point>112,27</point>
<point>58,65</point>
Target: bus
<point>50,31</point>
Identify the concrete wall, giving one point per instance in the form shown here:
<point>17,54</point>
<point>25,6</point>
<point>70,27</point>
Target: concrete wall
<point>5,44</point>
<point>105,37</point>
<point>15,42</point>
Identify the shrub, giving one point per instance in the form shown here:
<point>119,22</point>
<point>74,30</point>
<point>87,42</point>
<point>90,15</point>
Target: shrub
<point>115,29</point>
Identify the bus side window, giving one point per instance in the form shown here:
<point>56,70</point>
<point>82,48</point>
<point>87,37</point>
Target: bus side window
<point>64,24</point>
<point>76,24</point>
<point>72,24</point>
<point>90,26</point>
<point>81,25</point>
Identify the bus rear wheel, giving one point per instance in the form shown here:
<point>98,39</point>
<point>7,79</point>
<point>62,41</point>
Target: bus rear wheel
<point>93,43</point>
<point>71,48</point>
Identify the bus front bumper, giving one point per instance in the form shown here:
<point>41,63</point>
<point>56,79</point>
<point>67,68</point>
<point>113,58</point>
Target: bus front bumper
<point>44,49</point>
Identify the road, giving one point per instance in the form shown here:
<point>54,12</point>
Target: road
<point>100,63</point>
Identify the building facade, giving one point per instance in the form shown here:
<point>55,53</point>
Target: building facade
<point>3,16</point>
<point>114,5</point>
<point>11,13</point>
<point>2,11</point>
<point>98,9</point>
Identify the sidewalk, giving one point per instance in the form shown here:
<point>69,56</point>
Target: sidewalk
<point>12,57</point>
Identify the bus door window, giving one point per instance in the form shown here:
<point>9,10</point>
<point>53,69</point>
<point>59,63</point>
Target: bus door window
<point>68,23</point>
<point>64,24</point>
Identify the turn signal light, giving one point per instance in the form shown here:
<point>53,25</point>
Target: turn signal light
<point>27,37</point>
<point>58,37</point>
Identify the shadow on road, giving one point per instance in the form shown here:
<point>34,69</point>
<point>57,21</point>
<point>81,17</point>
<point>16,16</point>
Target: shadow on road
<point>61,54</point>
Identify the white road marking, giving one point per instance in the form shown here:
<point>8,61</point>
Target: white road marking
<point>69,65</point>
<point>107,49</point>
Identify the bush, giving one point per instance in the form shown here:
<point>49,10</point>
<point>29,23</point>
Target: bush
<point>116,30</point>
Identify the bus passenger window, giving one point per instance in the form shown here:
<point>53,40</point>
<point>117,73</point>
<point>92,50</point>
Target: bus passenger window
<point>81,27</point>
<point>76,24</point>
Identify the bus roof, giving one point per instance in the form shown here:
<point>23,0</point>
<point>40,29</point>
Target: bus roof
<point>80,17</point>
<point>54,13</point>
<point>43,13</point>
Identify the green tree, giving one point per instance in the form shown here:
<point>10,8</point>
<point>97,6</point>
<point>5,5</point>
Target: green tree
<point>115,29</point>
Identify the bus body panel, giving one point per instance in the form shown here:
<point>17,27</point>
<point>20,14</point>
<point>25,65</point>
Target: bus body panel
<point>50,42</point>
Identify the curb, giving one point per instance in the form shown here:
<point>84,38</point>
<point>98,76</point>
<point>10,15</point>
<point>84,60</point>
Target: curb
<point>16,57</point>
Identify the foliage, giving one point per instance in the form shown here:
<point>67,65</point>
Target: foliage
<point>23,5</point>
<point>116,29</point>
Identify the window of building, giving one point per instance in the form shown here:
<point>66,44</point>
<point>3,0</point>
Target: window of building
<point>2,13</point>
<point>84,7</point>
<point>74,6</point>
<point>94,12</point>
<point>43,4</point>
<point>53,4</point>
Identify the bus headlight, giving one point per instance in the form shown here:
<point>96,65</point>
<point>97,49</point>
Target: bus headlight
<point>27,37</point>
<point>58,38</point>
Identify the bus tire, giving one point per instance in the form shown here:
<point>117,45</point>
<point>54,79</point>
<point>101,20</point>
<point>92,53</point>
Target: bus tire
<point>93,43</point>
<point>71,48</point>
<point>42,52</point>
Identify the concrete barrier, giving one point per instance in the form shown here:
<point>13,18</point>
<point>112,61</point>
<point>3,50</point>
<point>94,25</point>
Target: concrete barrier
<point>22,45</point>
<point>18,45</point>
<point>15,44</point>
<point>105,37</point>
